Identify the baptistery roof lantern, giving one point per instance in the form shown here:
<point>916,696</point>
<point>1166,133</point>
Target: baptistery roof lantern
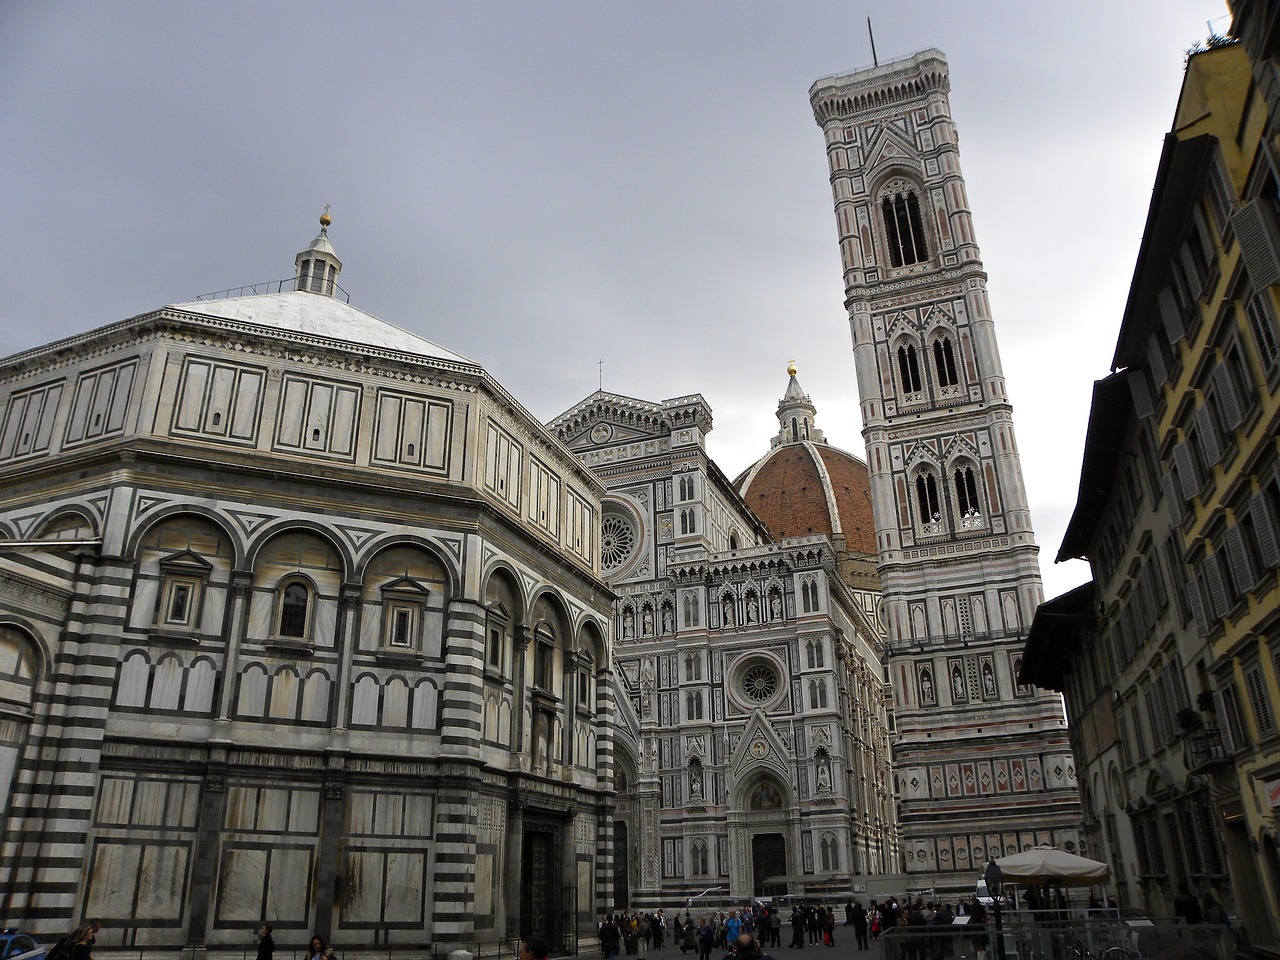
<point>316,268</point>
<point>796,414</point>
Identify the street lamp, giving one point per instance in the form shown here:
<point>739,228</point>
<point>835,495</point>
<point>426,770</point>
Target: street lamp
<point>995,889</point>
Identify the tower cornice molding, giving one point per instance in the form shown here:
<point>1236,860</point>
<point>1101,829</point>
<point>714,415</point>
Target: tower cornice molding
<point>845,96</point>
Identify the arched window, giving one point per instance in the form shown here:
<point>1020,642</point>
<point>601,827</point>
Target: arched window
<point>818,693</point>
<point>690,610</point>
<point>687,522</point>
<point>795,433</point>
<point>809,596</point>
<point>294,606</point>
<point>693,706</point>
<point>927,497</point>
<point>966,493</point>
<point>811,655</point>
<point>829,853</point>
<point>698,858</point>
<point>944,362</point>
<point>904,230</point>
<point>909,368</point>
<point>693,667</point>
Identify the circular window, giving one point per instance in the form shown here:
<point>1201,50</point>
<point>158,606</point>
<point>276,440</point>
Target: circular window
<point>760,681</point>
<point>617,540</point>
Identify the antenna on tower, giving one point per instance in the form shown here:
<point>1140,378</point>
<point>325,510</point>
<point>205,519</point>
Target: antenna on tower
<point>600,373</point>
<point>872,35</point>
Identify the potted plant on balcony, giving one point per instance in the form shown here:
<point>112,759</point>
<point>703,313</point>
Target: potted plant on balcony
<point>1189,721</point>
<point>1204,701</point>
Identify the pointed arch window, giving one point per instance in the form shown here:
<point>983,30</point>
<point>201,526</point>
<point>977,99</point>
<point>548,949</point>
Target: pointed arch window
<point>944,362</point>
<point>688,522</point>
<point>967,494</point>
<point>809,596</point>
<point>690,604</point>
<point>818,694</point>
<point>927,497</point>
<point>904,229</point>
<point>909,368</point>
<point>829,853</point>
<point>698,859</point>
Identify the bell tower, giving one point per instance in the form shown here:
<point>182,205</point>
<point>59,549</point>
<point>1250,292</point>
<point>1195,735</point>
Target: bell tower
<point>983,764</point>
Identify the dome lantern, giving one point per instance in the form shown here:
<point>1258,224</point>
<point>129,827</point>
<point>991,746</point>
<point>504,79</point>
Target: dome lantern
<point>317,267</point>
<point>796,414</point>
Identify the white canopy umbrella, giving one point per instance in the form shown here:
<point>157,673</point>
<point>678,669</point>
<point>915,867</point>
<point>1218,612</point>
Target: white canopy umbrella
<point>1049,864</point>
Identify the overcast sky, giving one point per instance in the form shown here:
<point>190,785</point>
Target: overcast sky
<point>542,185</point>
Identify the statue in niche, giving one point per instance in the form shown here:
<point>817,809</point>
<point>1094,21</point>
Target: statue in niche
<point>775,606</point>
<point>753,609</point>
<point>957,683</point>
<point>695,783</point>
<point>926,686</point>
<point>628,623</point>
<point>646,622</point>
<point>824,774</point>
<point>988,679</point>
<point>727,608</point>
<point>666,618</point>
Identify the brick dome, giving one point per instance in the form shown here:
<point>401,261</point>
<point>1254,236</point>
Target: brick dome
<point>803,486</point>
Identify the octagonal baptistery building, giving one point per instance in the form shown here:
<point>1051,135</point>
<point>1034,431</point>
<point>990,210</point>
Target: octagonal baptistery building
<point>804,486</point>
<point>302,623</point>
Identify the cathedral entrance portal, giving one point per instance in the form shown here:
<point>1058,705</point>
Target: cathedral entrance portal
<point>539,915</point>
<point>768,859</point>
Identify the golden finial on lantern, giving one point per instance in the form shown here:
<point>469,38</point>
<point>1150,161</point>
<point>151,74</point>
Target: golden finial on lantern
<point>325,219</point>
<point>791,369</point>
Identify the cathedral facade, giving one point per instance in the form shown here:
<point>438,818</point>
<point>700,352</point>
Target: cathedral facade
<point>982,761</point>
<point>751,750</point>
<point>302,624</point>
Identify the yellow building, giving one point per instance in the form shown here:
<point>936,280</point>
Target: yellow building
<point>1179,516</point>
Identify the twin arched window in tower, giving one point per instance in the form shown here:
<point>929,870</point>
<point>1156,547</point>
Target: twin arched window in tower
<point>942,371</point>
<point>903,227</point>
<point>943,506</point>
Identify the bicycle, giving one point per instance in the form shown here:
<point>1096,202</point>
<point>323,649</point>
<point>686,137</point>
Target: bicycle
<point>1081,952</point>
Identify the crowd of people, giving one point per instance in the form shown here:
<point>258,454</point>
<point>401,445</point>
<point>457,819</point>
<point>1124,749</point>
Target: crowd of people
<point>925,929</point>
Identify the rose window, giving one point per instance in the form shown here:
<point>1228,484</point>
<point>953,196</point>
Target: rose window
<point>617,541</point>
<point>760,682</point>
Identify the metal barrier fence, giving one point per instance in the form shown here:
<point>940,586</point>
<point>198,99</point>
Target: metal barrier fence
<point>1074,939</point>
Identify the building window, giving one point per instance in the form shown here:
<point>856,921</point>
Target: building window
<point>687,522</point>
<point>698,860</point>
<point>1262,324</point>
<point>809,596</point>
<point>294,610</point>
<point>967,494</point>
<point>495,647</point>
<point>617,540</point>
<point>1257,691</point>
<point>181,595</point>
<point>542,653</point>
<point>404,603</point>
<point>690,610</point>
<point>181,590</point>
<point>909,368</point>
<point>927,497</point>
<point>401,627</point>
<point>904,230</point>
<point>829,854</point>
<point>760,681</point>
<point>693,706</point>
<point>818,694</point>
<point>944,362</point>
<point>692,667</point>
